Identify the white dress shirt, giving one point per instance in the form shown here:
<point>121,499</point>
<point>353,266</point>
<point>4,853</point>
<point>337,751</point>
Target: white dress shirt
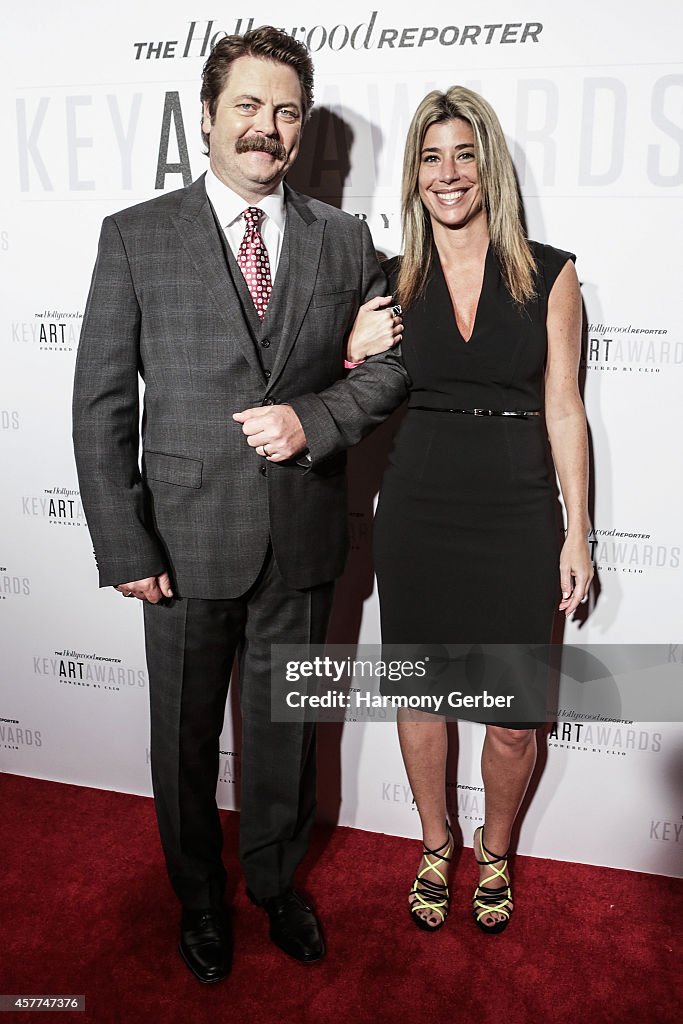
<point>229,207</point>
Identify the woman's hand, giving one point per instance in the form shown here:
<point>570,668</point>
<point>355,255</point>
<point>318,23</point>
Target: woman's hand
<point>376,329</point>
<point>576,573</point>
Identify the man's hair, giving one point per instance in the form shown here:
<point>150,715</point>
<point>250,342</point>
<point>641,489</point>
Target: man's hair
<point>266,43</point>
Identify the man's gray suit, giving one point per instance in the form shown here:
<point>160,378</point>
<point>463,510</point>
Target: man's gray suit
<point>168,301</point>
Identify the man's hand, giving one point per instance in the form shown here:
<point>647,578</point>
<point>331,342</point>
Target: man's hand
<point>275,431</point>
<point>151,589</point>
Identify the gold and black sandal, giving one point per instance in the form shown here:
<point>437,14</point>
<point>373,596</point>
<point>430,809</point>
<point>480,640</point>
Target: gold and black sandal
<point>491,901</point>
<point>428,895</point>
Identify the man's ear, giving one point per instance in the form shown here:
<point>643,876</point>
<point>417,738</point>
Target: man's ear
<point>206,118</point>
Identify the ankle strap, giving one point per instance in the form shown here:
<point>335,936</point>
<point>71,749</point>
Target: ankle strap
<point>493,856</point>
<point>444,846</point>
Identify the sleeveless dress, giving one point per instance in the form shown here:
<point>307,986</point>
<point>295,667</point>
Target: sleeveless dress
<point>468,528</point>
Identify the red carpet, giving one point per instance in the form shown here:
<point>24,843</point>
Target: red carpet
<point>86,909</point>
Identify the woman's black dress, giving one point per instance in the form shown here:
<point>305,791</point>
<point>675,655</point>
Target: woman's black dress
<point>468,532</point>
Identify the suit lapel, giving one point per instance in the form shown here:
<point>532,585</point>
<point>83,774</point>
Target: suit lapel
<point>197,228</point>
<point>305,240</point>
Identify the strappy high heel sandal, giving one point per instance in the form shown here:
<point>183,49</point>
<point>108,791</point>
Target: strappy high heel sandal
<point>429,895</point>
<point>497,900</point>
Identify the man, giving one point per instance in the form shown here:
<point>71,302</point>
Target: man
<point>232,298</point>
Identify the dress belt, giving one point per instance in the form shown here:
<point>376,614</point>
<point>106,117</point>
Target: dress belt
<point>521,414</point>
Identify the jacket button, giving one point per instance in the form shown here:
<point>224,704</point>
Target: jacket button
<point>265,343</point>
<point>268,401</point>
<point>267,374</point>
<point>263,470</point>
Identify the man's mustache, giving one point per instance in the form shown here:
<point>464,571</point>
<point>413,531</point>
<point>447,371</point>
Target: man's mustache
<point>261,144</point>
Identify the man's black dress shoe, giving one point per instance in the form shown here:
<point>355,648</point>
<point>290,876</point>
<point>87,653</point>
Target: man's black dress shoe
<point>293,926</point>
<point>206,943</point>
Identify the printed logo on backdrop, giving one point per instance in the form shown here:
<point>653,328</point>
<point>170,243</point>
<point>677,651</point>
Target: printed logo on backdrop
<point>50,331</point>
<point>89,671</point>
<point>58,506</point>
<point>14,735</point>
<point>609,739</point>
<point>632,553</point>
<point>229,768</point>
<point>13,586</point>
<point>630,349</point>
<point>198,37</point>
<point>97,136</point>
<point>466,801</point>
<point>9,419</point>
<point>666,831</point>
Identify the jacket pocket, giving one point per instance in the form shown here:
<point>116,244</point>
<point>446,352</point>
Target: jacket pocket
<point>334,298</point>
<point>172,469</point>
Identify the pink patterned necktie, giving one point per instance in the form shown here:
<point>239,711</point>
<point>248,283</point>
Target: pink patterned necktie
<point>252,258</point>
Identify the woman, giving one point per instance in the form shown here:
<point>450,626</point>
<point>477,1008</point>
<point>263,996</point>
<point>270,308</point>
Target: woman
<point>467,533</point>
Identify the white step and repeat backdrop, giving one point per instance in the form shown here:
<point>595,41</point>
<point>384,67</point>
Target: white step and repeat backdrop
<point>100,110</point>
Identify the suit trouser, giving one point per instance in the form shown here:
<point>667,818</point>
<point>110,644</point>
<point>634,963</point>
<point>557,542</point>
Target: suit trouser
<point>191,644</point>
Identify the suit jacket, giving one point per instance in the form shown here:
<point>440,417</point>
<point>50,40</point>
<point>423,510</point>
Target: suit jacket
<point>163,306</point>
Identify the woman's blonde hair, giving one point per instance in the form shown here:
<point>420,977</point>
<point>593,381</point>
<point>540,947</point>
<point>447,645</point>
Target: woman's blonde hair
<point>499,195</point>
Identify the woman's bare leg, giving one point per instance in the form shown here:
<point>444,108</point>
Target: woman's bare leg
<point>424,745</point>
<point>507,761</point>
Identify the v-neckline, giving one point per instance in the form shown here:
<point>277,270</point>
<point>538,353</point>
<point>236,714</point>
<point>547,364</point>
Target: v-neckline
<point>454,313</point>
